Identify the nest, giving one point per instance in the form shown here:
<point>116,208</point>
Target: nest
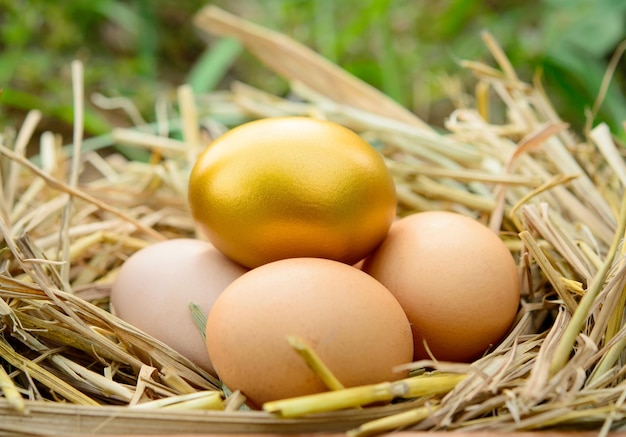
<point>71,215</point>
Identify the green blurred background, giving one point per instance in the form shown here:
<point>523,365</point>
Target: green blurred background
<point>407,48</point>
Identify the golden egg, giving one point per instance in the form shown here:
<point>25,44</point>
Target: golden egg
<point>292,187</point>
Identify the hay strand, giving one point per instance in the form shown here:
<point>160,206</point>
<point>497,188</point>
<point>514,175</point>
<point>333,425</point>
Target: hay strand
<point>417,386</point>
<point>299,63</point>
<point>315,363</point>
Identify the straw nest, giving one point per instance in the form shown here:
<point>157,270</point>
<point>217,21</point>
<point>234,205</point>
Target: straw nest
<point>71,215</point>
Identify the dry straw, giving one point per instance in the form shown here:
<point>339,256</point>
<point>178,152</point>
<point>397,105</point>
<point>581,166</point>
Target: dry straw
<point>69,217</point>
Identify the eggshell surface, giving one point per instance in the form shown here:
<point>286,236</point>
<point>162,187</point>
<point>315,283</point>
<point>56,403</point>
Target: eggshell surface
<point>455,279</point>
<point>156,284</point>
<point>349,319</point>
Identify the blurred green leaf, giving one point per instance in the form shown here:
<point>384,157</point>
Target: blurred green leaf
<point>120,13</point>
<point>591,28</point>
<point>326,29</point>
<point>458,13</point>
<point>94,124</point>
<point>579,81</point>
<point>580,36</point>
<point>148,41</point>
<point>391,80</point>
<point>211,67</point>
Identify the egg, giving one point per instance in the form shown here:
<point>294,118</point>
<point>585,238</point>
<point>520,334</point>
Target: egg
<point>155,286</point>
<point>348,318</point>
<point>286,187</point>
<point>455,279</point>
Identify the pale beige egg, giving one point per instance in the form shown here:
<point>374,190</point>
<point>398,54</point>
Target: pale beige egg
<point>456,280</point>
<point>348,318</point>
<point>155,286</point>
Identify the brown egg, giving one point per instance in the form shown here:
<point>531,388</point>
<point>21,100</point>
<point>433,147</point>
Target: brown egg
<point>348,318</point>
<point>455,279</point>
<point>155,286</point>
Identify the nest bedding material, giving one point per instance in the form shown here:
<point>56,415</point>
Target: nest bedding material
<point>556,198</point>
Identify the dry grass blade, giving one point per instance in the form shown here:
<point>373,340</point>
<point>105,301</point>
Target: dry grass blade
<point>207,400</point>
<point>315,363</point>
<point>189,115</point>
<point>299,63</point>
<point>78,106</point>
<point>413,387</point>
<point>601,136</point>
<point>161,144</point>
<point>393,421</point>
<point>464,175</point>
<point>21,142</point>
<point>10,392</point>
